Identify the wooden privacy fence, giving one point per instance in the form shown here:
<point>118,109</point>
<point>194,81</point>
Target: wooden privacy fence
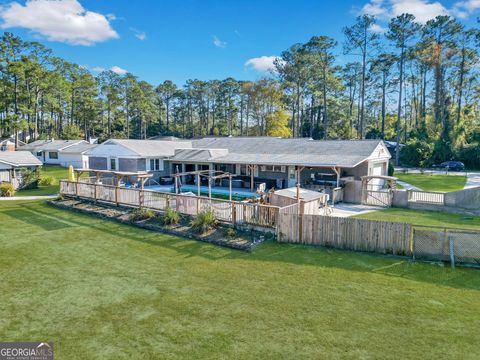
<point>229,211</point>
<point>345,233</point>
<point>426,197</point>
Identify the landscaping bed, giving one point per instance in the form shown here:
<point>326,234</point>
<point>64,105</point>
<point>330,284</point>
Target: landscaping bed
<point>222,235</point>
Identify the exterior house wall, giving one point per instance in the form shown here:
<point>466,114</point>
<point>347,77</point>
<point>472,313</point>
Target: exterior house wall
<point>358,171</point>
<point>4,175</point>
<point>77,160</point>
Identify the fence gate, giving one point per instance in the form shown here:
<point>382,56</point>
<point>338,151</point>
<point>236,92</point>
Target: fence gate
<point>377,197</point>
<point>377,190</point>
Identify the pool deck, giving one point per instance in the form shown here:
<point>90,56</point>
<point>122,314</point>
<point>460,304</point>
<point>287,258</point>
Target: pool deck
<point>219,190</point>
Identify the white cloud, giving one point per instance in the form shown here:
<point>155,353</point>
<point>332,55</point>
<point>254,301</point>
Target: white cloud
<point>219,43</point>
<point>118,70</point>
<point>375,8</point>
<point>463,9</point>
<point>140,35</point>
<point>262,63</point>
<point>63,20</point>
<point>377,29</point>
<point>423,10</point>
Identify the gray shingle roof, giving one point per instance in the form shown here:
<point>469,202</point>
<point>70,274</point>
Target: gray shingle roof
<point>151,148</point>
<point>79,148</point>
<point>278,151</point>
<point>199,155</point>
<point>49,145</point>
<point>19,158</point>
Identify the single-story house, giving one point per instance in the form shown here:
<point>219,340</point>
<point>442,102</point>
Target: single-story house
<point>13,162</point>
<point>276,162</point>
<point>60,152</point>
<point>134,155</point>
<point>320,165</point>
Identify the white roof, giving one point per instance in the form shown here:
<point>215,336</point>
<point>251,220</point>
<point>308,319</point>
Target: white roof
<point>19,158</point>
<point>147,148</point>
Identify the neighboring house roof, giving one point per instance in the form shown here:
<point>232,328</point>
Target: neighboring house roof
<point>79,148</point>
<point>148,148</point>
<point>19,158</point>
<point>278,151</point>
<point>199,155</point>
<point>50,145</point>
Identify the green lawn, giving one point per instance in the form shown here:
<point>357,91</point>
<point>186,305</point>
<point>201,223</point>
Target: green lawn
<point>102,290</point>
<point>57,172</point>
<point>424,217</point>
<point>442,183</point>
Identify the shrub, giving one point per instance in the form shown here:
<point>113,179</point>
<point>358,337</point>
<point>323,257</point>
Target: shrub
<point>391,169</point>
<point>417,153</point>
<point>230,232</point>
<point>29,179</point>
<point>171,217</point>
<point>46,180</point>
<point>205,221</point>
<point>141,214</point>
<point>7,190</point>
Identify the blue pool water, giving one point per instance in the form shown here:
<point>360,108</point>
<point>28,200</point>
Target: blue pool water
<point>223,192</point>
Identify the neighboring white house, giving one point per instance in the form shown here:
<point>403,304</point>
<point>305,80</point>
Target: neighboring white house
<point>60,152</point>
<point>134,155</point>
<point>13,162</point>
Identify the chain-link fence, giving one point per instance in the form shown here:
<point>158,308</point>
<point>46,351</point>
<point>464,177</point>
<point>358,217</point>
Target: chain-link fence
<point>442,244</point>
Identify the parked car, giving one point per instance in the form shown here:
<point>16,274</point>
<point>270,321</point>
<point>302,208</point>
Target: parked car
<point>450,165</point>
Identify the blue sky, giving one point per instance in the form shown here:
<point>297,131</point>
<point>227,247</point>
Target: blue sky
<point>209,39</point>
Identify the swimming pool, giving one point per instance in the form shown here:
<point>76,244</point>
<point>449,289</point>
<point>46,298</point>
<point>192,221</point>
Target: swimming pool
<point>218,192</point>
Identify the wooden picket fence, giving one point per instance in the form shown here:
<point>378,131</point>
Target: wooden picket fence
<point>228,211</point>
<point>345,233</point>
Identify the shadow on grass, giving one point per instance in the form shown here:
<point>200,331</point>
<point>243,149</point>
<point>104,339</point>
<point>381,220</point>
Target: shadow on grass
<point>300,255</point>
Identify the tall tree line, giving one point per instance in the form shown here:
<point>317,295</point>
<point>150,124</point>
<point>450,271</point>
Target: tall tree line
<point>413,84</point>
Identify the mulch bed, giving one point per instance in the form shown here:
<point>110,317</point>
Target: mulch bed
<point>246,241</point>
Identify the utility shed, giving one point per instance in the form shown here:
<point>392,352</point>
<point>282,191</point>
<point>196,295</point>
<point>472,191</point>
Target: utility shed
<point>310,201</point>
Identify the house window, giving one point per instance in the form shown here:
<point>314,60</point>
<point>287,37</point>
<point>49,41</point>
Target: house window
<point>243,170</point>
<point>53,155</point>
<point>39,153</point>
<point>273,168</point>
<point>113,164</point>
<point>156,165</point>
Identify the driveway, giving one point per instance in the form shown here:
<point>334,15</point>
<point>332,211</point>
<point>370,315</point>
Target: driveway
<point>473,180</point>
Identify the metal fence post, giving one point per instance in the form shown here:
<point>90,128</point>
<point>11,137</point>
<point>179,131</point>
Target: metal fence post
<point>452,254</point>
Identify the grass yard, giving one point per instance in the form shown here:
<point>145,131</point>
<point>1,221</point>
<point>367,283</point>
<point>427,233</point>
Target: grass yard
<point>441,183</point>
<point>102,290</point>
<point>424,217</point>
<point>57,172</point>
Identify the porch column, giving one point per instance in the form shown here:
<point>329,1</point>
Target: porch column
<point>299,174</point>
<point>252,175</point>
<point>182,171</point>
<point>211,172</point>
